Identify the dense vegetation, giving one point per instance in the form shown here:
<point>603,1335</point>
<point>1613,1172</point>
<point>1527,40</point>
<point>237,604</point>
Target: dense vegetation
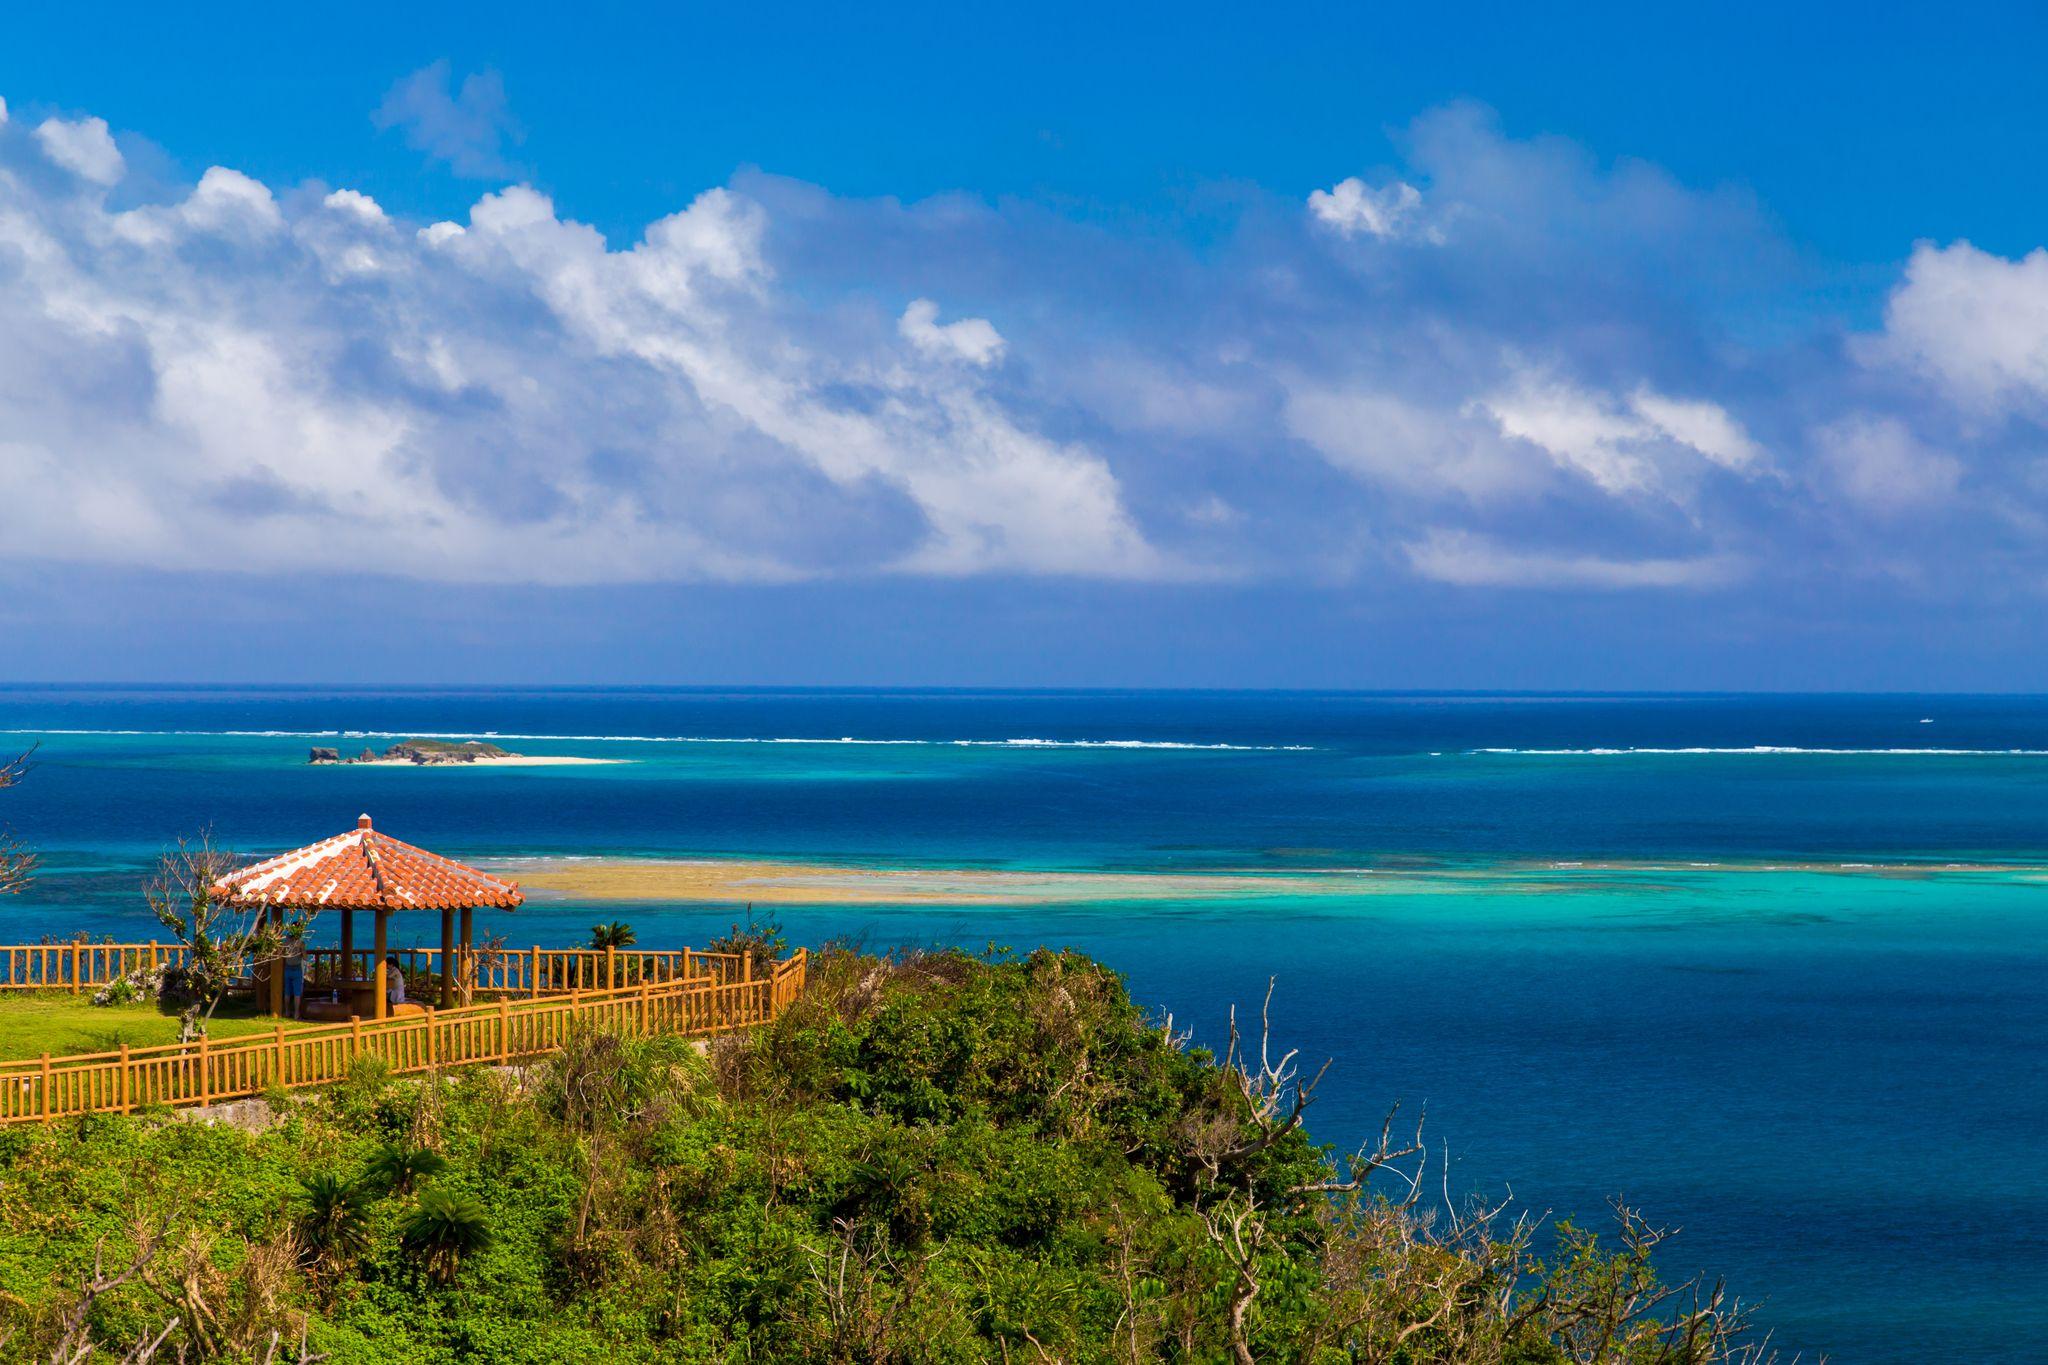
<point>932,1158</point>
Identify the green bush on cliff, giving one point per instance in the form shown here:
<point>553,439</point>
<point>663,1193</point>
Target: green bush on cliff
<point>932,1158</point>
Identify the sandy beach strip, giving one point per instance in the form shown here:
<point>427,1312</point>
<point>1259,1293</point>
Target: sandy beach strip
<point>797,883</point>
<point>787,882</point>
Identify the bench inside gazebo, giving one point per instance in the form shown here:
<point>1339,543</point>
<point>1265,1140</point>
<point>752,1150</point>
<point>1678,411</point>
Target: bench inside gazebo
<point>367,870</point>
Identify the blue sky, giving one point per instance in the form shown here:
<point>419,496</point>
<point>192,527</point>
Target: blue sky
<point>1329,346</point>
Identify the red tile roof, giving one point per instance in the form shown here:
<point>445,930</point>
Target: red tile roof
<point>365,870</point>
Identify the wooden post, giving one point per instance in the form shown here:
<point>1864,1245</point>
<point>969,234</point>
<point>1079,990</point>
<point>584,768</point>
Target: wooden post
<point>380,1008</point>
<point>355,1036</point>
<point>345,974</point>
<point>74,966</point>
<point>152,957</point>
<point>124,1078</point>
<point>46,1086</point>
<point>447,956</point>
<point>611,967</point>
<point>533,982</point>
<point>471,984</point>
<point>430,1037</point>
<point>686,964</point>
<point>504,1029</point>
<point>277,1076</point>
<point>205,1080</point>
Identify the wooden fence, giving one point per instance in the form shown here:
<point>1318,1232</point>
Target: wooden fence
<point>540,971</point>
<point>292,1057</point>
<point>78,966</point>
<point>529,972</point>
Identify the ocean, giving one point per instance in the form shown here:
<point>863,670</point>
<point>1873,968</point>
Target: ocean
<point>1773,969</point>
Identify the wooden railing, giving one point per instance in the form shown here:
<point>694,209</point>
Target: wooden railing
<point>508,1030</point>
<point>540,971</point>
<point>77,966</point>
<point>529,972</point>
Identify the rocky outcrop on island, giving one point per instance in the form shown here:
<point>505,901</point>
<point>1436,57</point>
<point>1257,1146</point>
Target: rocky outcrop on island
<point>425,751</point>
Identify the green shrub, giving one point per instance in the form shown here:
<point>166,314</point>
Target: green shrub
<point>442,1228</point>
<point>335,1224</point>
<point>931,1157</point>
<point>396,1167</point>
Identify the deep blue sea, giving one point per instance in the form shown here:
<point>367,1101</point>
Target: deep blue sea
<point>1772,968</point>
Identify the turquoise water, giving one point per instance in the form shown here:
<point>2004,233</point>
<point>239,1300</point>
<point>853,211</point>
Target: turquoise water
<point>1830,1075</point>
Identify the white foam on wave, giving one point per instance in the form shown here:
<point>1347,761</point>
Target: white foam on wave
<point>493,735</point>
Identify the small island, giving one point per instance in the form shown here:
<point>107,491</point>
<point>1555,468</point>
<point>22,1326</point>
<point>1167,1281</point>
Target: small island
<point>444,753</point>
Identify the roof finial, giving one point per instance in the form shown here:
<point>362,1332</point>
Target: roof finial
<point>362,822</point>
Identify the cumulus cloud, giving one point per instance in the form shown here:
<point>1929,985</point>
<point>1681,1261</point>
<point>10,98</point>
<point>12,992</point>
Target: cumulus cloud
<point>84,147</point>
<point>1699,426</point>
<point>970,339</point>
<point>221,382</point>
<point>1649,443</point>
<point>467,129</point>
<point>1351,208</point>
<point>224,203</point>
<point>774,383</point>
<point>1974,323</point>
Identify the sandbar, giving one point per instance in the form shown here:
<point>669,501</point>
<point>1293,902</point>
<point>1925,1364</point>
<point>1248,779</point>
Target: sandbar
<point>794,883</point>
<point>789,882</point>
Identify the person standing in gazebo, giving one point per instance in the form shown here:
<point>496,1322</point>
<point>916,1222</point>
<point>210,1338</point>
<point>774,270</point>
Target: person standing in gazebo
<point>367,870</point>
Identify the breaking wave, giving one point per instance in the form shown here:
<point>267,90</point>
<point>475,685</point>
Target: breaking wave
<point>494,735</point>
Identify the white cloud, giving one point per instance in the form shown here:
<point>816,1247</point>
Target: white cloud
<point>1405,445</point>
<point>1878,464</point>
<point>973,340</point>
<point>84,147</point>
<point>1467,559</point>
<point>1704,427</point>
<point>1974,323</point>
<point>356,203</point>
<point>225,203</point>
<point>245,379</point>
<point>3,113</point>
<point>510,400</point>
<point>1578,430</point>
<point>1352,207</point>
<point>1642,447</point>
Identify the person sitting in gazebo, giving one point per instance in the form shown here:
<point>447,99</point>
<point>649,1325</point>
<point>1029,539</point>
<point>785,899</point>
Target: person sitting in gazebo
<point>294,976</point>
<point>394,990</point>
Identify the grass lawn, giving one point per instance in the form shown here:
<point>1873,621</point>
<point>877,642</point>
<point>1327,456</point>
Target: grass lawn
<point>57,1022</point>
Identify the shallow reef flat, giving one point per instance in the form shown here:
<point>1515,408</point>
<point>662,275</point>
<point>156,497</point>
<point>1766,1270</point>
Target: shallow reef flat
<point>793,882</point>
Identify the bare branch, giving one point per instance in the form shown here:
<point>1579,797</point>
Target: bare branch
<point>17,861</point>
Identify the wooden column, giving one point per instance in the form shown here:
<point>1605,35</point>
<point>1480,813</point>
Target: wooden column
<point>380,1007</point>
<point>470,982</point>
<point>345,974</point>
<point>447,957</point>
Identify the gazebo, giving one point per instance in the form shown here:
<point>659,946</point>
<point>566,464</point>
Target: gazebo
<point>366,870</point>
